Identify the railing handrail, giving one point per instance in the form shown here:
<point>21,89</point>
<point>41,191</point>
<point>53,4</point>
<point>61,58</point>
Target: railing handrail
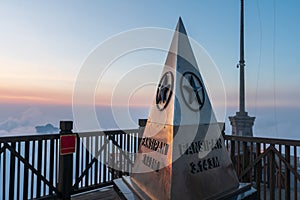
<point>17,138</point>
<point>106,132</point>
<point>48,136</point>
<point>289,142</point>
<point>21,138</point>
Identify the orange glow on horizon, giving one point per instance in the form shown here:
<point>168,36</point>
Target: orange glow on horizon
<point>35,96</point>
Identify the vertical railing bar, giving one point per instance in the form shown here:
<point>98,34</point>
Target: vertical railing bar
<point>90,159</point>
<point>90,149</point>
<point>82,158</point>
<point>109,151</point>
<point>55,163</point>
<point>135,140</point>
<point>279,173</point>
<point>12,173</point>
<point>100,160</point>
<point>87,161</point>
<point>96,163</point>
<point>39,168</point>
<point>287,173</point>
<point>132,143</point>
<point>101,170</point>
<point>4,174</point>
<point>265,172</point>
<point>258,169</point>
<point>92,156</point>
<point>272,173</point>
<point>85,178</point>
<point>127,148</point>
<point>45,164</point>
<point>83,140</point>
<point>32,174</point>
<point>1,177</point>
<point>104,160</point>
<point>25,179</point>
<point>122,158</point>
<point>57,150</point>
<point>51,162</point>
<point>118,162</point>
<point>244,160</point>
<point>238,159</point>
<point>251,154</point>
<point>136,146</point>
<point>295,178</point>
<point>18,193</point>
<point>113,153</point>
<point>232,153</point>
<point>77,161</point>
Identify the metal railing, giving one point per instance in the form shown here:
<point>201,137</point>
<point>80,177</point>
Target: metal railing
<point>271,165</point>
<point>102,157</point>
<point>30,165</point>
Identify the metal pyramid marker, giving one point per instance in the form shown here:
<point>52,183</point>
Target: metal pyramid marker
<point>182,153</point>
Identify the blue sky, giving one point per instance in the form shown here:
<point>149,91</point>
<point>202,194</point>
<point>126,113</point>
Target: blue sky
<point>44,44</point>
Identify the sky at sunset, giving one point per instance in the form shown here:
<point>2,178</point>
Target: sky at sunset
<point>44,45</point>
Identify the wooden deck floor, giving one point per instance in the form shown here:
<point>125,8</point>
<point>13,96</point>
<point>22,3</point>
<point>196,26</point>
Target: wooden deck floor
<point>107,193</point>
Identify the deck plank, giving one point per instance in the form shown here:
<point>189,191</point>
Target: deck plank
<point>107,193</point>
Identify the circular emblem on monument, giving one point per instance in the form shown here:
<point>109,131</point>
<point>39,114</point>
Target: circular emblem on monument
<point>192,91</point>
<point>164,90</point>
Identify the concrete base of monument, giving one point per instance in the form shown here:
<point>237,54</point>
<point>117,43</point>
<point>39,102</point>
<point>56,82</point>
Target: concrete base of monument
<point>130,191</point>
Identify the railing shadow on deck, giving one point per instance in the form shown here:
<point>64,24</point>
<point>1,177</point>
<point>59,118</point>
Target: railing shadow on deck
<point>29,165</point>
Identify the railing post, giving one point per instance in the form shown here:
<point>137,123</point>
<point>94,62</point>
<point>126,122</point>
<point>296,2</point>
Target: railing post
<point>232,153</point>
<point>287,175</point>
<point>245,163</point>
<point>258,169</point>
<point>65,176</point>
<point>272,174</point>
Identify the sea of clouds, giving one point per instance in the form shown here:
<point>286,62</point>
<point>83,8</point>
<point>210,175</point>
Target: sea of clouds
<point>281,122</point>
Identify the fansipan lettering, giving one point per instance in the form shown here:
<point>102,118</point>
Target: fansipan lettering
<point>200,146</point>
<point>155,145</point>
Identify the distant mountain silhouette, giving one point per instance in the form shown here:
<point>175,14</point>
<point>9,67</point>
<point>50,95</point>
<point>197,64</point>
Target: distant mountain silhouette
<point>48,128</point>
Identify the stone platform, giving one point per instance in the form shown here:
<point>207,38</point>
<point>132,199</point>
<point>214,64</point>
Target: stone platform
<point>128,190</point>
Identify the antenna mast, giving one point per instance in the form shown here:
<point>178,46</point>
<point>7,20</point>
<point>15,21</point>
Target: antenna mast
<point>242,62</point>
<point>242,123</point>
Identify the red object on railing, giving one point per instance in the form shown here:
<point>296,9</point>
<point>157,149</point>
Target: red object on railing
<point>67,144</point>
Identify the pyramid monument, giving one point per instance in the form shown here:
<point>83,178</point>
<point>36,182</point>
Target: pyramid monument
<point>182,154</point>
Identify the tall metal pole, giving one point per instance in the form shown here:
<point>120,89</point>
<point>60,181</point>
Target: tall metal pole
<point>242,123</point>
<point>242,62</point>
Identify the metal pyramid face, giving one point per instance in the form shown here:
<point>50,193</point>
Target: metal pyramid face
<point>182,153</point>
